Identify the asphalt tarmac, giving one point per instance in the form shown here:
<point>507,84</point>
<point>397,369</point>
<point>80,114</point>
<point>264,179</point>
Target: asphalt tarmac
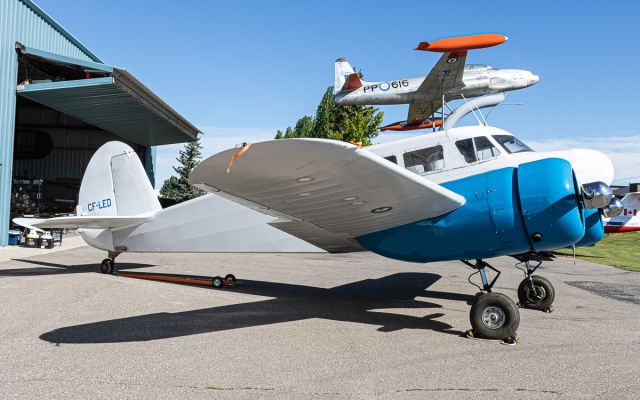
<point>306,326</point>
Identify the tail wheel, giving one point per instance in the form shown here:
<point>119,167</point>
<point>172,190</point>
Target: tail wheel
<point>106,266</point>
<point>230,278</point>
<point>494,316</point>
<point>217,282</point>
<point>537,294</point>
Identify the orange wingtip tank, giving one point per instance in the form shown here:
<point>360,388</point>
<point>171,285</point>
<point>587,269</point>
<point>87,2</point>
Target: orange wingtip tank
<point>403,126</point>
<point>463,43</point>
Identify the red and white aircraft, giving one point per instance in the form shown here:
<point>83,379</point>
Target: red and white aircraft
<point>628,220</point>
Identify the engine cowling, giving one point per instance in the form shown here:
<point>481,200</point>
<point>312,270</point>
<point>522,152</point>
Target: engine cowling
<point>594,228</point>
<point>537,206</point>
<point>550,204</point>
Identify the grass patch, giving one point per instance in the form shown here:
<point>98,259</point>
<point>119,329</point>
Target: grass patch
<point>620,250</point>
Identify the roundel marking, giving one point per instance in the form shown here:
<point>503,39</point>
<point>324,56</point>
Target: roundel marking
<point>384,86</point>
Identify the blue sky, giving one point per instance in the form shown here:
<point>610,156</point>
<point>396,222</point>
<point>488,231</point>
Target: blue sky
<point>241,70</point>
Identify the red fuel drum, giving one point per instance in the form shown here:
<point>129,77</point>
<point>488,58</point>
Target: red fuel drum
<point>463,43</point>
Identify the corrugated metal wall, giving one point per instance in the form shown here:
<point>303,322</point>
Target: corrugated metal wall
<point>21,21</point>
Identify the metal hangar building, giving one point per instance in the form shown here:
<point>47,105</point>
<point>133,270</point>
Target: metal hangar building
<point>58,104</point>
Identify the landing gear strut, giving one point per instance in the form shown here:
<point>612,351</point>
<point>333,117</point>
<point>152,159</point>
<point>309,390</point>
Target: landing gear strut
<point>492,315</point>
<point>535,292</point>
<point>108,265</point>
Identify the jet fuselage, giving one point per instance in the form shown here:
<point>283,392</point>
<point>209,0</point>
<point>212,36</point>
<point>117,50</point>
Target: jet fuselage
<point>478,80</point>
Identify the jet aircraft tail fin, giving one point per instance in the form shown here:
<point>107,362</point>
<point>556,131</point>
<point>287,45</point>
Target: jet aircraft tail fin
<point>345,77</point>
<point>631,200</point>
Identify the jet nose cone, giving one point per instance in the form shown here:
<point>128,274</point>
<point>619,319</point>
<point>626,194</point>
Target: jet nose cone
<point>533,79</point>
<point>592,166</point>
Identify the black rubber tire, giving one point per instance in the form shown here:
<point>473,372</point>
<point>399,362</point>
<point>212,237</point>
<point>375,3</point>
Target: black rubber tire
<point>217,282</point>
<point>511,316</point>
<point>529,300</point>
<point>230,277</point>
<point>106,266</point>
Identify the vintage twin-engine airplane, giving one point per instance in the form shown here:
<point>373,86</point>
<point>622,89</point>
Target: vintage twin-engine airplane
<point>467,193</point>
<point>449,79</point>
<point>628,220</point>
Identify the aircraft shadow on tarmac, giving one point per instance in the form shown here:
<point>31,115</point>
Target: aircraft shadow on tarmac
<point>48,268</point>
<point>352,302</point>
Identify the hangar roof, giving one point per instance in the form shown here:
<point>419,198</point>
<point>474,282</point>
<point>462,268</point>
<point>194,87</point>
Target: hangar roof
<point>104,96</point>
<point>47,18</point>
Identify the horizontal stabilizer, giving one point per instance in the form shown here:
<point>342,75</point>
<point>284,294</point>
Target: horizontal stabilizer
<point>93,222</point>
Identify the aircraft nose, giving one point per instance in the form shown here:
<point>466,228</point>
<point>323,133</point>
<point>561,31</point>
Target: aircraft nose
<point>533,79</point>
<point>592,166</point>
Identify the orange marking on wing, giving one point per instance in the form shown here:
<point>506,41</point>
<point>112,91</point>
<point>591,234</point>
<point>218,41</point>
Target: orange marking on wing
<point>237,155</point>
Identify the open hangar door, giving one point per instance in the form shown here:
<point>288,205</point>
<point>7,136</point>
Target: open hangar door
<point>51,152</point>
<point>65,110</point>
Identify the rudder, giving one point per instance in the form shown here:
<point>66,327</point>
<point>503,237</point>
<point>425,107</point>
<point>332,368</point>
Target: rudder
<point>116,184</point>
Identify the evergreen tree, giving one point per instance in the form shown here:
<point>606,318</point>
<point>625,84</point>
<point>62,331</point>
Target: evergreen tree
<point>304,127</point>
<point>325,115</point>
<point>177,189</point>
<point>348,123</point>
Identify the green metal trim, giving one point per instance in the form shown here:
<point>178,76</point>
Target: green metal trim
<point>36,87</point>
<point>60,29</point>
<point>62,59</point>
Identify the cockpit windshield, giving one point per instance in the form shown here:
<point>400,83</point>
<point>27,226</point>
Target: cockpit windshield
<point>511,144</point>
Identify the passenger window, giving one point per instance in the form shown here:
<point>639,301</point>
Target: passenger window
<point>424,160</point>
<point>465,147</point>
<point>393,159</point>
<point>484,149</point>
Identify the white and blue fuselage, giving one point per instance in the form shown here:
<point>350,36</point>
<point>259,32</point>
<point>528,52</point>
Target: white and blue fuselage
<point>517,200</point>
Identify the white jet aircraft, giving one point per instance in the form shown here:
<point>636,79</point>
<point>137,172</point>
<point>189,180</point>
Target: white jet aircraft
<point>449,79</point>
<point>467,193</point>
<point>629,219</point>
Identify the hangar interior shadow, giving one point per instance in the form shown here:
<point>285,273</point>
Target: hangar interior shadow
<point>353,302</point>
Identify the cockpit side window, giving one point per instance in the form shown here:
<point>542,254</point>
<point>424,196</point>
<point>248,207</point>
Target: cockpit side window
<point>511,144</point>
<point>465,147</point>
<point>393,159</point>
<point>424,160</point>
<point>477,149</point>
<point>485,149</point>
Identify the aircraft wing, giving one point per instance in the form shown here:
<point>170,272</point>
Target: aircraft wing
<point>88,222</point>
<point>325,192</point>
<point>445,76</point>
<point>419,111</point>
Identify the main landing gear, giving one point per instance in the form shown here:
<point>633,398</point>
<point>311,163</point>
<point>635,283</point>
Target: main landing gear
<point>534,292</point>
<point>493,315</point>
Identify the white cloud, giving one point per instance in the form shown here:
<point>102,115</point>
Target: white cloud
<point>622,150</point>
<point>214,140</point>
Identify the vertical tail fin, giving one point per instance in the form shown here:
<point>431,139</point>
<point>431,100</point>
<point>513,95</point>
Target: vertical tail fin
<point>345,76</point>
<point>116,184</point>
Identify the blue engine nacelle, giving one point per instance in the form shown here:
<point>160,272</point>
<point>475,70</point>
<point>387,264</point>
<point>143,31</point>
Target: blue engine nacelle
<point>536,206</point>
<point>594,228</point>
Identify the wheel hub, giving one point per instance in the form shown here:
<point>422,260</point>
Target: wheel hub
<point>493,317</point>
<point>537,294</point>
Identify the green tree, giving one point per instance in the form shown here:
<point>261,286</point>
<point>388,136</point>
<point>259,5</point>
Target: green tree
<point>332,121</point>
<point>325,115</point>
<point>177,188</point>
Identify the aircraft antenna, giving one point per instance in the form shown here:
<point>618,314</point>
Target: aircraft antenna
<point>472,110</point>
